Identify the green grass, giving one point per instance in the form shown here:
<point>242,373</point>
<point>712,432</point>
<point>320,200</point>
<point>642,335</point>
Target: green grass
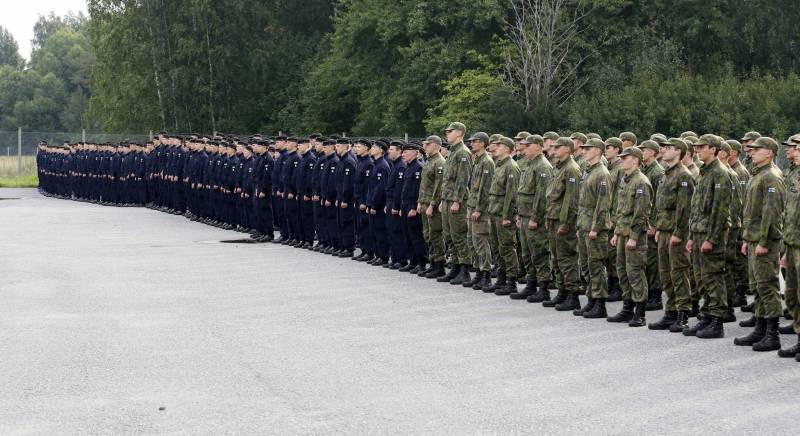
<point>19,182</point>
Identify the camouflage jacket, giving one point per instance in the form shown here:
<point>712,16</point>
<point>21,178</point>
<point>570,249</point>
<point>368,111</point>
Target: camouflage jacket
<point>562,192</point>
<point>532,189</point>
<point>763,206</point>
<point>455,178</point>
<point>654,172</point>
<point>479,183</point>
<point>711,204</point>
<point>791,231</point>
<point>503,191</point>
<point>634,205</point>
<point>674,201</point>
<point>430,186</point>
<point>594,202</point>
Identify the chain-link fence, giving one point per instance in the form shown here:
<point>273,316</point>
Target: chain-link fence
<point>18,148</point>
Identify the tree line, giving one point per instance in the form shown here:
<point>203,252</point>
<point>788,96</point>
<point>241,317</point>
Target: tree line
<point>380,67</point>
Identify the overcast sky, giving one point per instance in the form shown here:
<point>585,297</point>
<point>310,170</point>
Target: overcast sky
<point>19,16</point>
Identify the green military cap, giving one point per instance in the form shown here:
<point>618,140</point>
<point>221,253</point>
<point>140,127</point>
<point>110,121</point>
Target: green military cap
<point>735,145</point>
<point>750,136</point>
<point>533,139</point>
<point>433,139</point>
<point>522,135</point>
<point>551,135</point>
<point>594,143</point>
<point>793,141</point>
<point>708,139</point>
<point>508,142</point>
<point>688,133</point>
<point>479,136</point>
<point>494,138</point>
<point>456,126</point>
<point>632,151</point>
<point>691,139</point>
<point>724,146</point>
<point>658,138</point>
<point>614,142</point>
<point>649,144</point>
<point>579,136</point>
<point>766,142</point>
<point>628,136</point>
<point>678,143</point>
<point>565,142</point>
<point>593,136</point>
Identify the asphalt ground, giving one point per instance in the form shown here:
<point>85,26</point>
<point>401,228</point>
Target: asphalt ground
<point>131,321</point>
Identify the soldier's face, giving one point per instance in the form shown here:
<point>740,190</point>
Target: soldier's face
<point>761,156</point>
<point>562,152</point>
<point>629,163</point>
<point>796,156</point>
<point>394,152</point>
<point>409,155</point>
<point>611,152</point>
<point>704,152</point>
<point>669,153</point>
<point>454,136</point>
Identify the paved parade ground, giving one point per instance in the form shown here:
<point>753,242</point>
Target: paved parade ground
<point>126,320</point>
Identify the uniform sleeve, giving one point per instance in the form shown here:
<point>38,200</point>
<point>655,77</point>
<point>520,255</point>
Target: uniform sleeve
<point>642,208</point>
<point>462,177</point>
<point>539,209</point>
<point>772,211</point>
<point>718,223</point>
<point>600,217</point>
<point>570,194</point>
<point>683,207</point>
<point>509,201</point>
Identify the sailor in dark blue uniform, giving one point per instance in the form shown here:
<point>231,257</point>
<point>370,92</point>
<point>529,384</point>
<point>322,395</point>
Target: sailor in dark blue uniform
<point>376,202</point>
<point>328,184</point>
<point>364,167</point>
<point>304,189</point>
<point>411,221</point>
<point>394,189</point>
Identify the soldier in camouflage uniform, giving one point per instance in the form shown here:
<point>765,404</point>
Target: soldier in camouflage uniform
<point>733,250</point>
<point>578,140</point>
<point>654,172</point>
<point>594,224</point>
<point>455,180</point>
<point>630,238</point>
<point>709,225</point>
<point>429,196</point>
<point>562,211</point>
<point>738,265</point>
<point>791,241</point>
<point>762,231</point>
<point>527,270</point>
<point>672,205</point>
<point>748,139</point>
<point>613,149</point>
<point>550,139</point>
<point>503,210</point>
<point>531,208</point>
<point>480,225</point>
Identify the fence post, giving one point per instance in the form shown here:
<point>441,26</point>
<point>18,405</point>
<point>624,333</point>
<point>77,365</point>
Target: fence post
<point>151,135</point>
<point>19,152</point>
<point>83,135</point>
<point>406,137</point>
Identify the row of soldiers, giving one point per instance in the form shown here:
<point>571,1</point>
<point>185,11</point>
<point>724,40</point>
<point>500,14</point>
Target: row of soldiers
<point>697,218</point>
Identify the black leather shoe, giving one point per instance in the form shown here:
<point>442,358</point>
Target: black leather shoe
<point>624,315</point>
<point>756,335</point>
<point>667,320</point>
<point>771,340</point>
<point>407,268</point>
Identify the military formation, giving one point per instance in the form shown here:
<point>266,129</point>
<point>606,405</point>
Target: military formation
<point>703,220</point>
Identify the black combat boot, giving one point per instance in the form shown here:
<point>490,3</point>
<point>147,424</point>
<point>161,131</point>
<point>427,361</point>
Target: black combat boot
<point>543,294</point>
<point>437,272</point>
<point>530,289</point>
<point>750,307</point>
<point>749,322</point>
<point>451,275</point>
<point>713,330</point>
<point>614,291</point>
<point>771,340</point>
<point>482,280</point>
<point>756,335</point>
<point>571,303</point>
<point>729,316</point>
<point>427,270</point>
<point>654,300</point>
<point>700,325</point>
<point>560,297</point>
<point>639,312</point>
<point>792,351</point>
<point>665,322</point>
<point>501,282</point>
<point>695,309</point>
<point>420,268</point>
<point>471,282</point>
<point>511,282</point>
<point>681,322</point>
<point>589,305</point>
<point>740,296</point>
<point>598,310</point>
<point>787,329</point>
<point>624,315</point>
<point>462,277</point>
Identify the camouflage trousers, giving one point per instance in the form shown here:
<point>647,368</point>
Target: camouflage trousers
<point>506,246</point>
<point>710,270</point>
<point>524,254</point>
<point>674,267</point>
<point>432,231</point>
<point>583,260</point>
<point>597,255</point>
<point>563,249</point>
<point>792,292</point>
<point>480,233</point>
<point>736,275</point>
<point>454,228</point>
<point>631,268</point>
<point>651,270</point>
<point>765,270</point>
<point>537,243</point>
